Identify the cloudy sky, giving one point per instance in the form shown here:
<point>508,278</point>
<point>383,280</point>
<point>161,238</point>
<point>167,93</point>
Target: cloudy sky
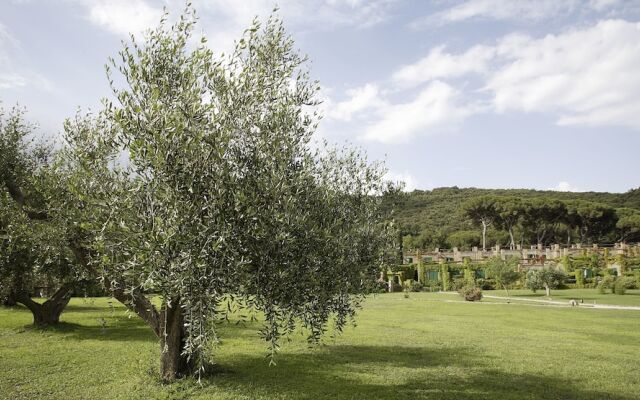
<point>487,93</point>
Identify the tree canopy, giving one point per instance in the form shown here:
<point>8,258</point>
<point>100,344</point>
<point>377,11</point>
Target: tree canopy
<point>223,201</point>
<point>35,230</point>
<point>430,219</point>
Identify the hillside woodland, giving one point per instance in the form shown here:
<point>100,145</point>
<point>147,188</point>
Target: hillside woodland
<point>452,217</point>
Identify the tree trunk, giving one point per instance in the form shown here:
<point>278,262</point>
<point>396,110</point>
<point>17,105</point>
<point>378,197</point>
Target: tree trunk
<point>173,363</point>
<point>512,245</point>
<point>47,313</point>
<point>168,325</point>
<point>548,290</point>
<point>484,235</point>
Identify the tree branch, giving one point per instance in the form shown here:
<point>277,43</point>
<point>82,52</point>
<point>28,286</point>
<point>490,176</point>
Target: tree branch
<point>16,193</point>
<point>137,302</point>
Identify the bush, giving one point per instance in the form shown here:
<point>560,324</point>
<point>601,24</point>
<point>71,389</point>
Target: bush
<point>623,284</point>
<point>383,286</point>
<point>458,283</point>
<point>413,286</point>
<point>607,282</point>
<point>486,284</point>
<point>628,282</point>
<point>471,293</point>
<point>432,286</point>
<point>619,288</point>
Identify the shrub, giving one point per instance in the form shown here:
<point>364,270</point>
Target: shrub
<point>458,283</point>
<point>607,282</point>
<point>579,274</point>
<point>413,286</point>
<point>432,286</point>
<point>471,293</point>
<point>533,280</point>
<point>622,284</point>
<point>486,284</point>
<point>628,282</point>
<point>618,288</point>
<point>383,286</point>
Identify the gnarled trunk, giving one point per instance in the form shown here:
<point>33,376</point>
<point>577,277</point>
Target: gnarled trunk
<point>168,325</point>
<point>47,313</point>
<point>173,363</point>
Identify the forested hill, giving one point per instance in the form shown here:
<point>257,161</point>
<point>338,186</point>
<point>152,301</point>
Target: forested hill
<point>439,210</point>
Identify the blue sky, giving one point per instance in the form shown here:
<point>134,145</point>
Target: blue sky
<point>538,94</point>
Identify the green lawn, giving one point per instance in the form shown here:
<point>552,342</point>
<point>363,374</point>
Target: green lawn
<point>630,298</point>
<point>429,346</point>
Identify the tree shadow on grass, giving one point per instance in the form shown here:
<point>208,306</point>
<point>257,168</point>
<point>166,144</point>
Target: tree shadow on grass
<point>122,329</point>
<point>353,372</point>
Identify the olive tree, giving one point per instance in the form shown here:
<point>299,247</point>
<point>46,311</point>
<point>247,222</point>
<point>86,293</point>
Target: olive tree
<point>223,200</point>
<point>547,278</point>
<point>503,271</point>
<point>34,236</point>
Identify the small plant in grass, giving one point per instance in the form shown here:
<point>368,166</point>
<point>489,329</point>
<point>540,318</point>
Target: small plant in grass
<point>607,282</point>
<point>579,274</point>
<point>415,286</point>
<point>471,293</point>
<point>624,283</point>
<point>459,283</point>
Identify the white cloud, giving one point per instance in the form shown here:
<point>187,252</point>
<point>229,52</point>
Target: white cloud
<point>582,76</point>
<point>13,74</point>
<point>520,10</point>
<point>122,16</point>
<point>600,5</point>
<point>410,183</point>
<point>10,80</point>
<point>330,13</point>
<point>225,20</point>
<point>507,9</point>
<point>527,10</point>
<point>365,98</point>
<point>564,186</point>
<point>438,64</point>
<point>434,110</point>
<point>587,77</point>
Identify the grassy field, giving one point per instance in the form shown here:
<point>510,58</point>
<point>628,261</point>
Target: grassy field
<point>589,296</point>
<point>429,346</point>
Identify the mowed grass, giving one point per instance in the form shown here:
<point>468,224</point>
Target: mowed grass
<point>429,346</point>
<point>589,296</point>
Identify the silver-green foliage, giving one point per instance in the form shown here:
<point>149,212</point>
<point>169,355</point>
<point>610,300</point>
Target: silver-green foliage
<point>223,201</point>
<point>546,278</point>
<point>33,240</point>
